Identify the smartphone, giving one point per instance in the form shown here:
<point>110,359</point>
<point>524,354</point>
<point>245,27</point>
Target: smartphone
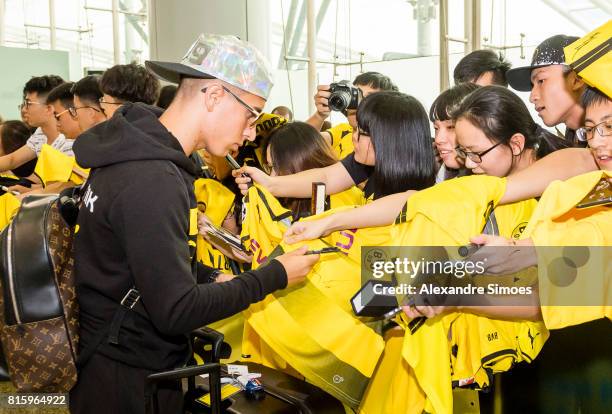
<point>600,195</point>
<point>235,166</point>
<point>324,250</point>
<point>232,162</point>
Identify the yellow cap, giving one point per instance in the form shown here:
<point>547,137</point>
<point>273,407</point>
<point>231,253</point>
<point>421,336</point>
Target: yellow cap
<point>591,58</point>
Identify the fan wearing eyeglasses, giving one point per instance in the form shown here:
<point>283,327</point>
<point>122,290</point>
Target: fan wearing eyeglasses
<point>61,100</point>
<point>392,153</point>
<point>37,113</point>
<point>496,134</point>
<point>127,83</point>
<point>86,109</point>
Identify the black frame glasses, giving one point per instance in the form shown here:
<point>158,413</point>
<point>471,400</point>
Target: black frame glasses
<point>586,133</point>
<point>255,113</point>
<point>475,157</point>
<point>102,101</point>
<point>73,110</point>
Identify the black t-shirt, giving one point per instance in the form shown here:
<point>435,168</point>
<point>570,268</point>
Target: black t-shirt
<point>572,138</point>
<point>25,170</point>
<point>359,173</point>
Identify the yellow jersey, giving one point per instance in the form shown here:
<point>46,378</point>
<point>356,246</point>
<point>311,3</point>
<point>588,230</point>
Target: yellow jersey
<point>573,290</point>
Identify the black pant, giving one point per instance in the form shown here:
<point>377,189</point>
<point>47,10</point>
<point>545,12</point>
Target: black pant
<point>107,386</point>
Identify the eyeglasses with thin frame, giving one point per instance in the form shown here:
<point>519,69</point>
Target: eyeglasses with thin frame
<point>102,101</point>
<point>254,113</point>
<point>57,116</point>
<point>475,157</point>
<point>74,113</point>
<point>27,103</point>
<point>587,133</point>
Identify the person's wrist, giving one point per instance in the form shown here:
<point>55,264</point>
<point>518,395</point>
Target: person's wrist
<point>337,222</point>
<point>224,277</point>
<point>271,183</point>
<point>330,224</point>
<point>213,276</point>
<point>322,116</point>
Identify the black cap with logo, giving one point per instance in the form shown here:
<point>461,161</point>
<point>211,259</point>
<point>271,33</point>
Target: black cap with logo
<point>549,52</point>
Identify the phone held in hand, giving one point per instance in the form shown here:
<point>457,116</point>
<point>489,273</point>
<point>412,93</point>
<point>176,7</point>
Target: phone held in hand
<point>600,195</point>
<point>235,166</point>
<point>324,250</point>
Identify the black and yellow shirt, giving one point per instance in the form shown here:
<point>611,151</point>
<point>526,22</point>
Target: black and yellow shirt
<point>55,166</point>
<point>448,214</point>
<point>341,139</point>
<point>311,328</point>
<point>557,223</point>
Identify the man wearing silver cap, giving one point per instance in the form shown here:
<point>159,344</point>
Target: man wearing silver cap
<point>138,224</point>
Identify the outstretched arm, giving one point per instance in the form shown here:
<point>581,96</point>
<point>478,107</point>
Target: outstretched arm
<point>16,158</point>
<point>560,165</point>
<point>381,212</point>
<point>299,185</point>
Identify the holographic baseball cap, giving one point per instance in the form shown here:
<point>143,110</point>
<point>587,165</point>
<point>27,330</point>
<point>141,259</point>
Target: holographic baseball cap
<point>223,57</point>
<point>549,52</point>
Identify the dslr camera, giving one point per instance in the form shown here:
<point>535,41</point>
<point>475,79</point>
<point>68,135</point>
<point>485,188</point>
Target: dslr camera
<point>343,96</point>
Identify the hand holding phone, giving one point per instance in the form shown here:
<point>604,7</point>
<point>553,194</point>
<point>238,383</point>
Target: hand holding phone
<point>235,166</point>
<point>324,250</point>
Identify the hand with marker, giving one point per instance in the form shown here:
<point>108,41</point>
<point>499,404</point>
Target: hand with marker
<point>298,264</point>
<point>245,176</point>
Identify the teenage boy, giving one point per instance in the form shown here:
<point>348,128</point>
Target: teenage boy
<point>555,88</point>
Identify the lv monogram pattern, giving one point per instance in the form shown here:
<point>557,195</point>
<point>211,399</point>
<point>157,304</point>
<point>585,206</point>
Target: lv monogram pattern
<point>41,355</point>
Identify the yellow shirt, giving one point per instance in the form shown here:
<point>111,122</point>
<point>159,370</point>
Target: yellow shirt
<point>9,204</point>
<point>448,214</point>
<point>216,201</point>
<point>55,166</point>
<point>341,139</point>
<point>310,328</point>
<point>252,152</point>
<point>558,223</point>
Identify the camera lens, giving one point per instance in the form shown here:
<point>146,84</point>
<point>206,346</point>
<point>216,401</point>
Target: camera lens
<point>339,100</point>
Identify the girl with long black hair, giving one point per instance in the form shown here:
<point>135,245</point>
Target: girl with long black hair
<point>393,153</point>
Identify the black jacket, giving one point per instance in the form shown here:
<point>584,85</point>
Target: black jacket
<point>134,230</point>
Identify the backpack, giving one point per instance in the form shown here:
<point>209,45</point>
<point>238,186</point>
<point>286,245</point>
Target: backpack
<point>39,314</point>
<point>38,306</point>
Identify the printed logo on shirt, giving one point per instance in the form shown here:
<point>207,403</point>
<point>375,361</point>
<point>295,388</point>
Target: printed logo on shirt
<point>89,199</point>
<point>518,230</point>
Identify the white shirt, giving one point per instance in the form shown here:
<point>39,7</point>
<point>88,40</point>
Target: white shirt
<point>38,139</point>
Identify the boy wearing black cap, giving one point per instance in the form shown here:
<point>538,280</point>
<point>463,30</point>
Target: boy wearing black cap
<point>555,88</point>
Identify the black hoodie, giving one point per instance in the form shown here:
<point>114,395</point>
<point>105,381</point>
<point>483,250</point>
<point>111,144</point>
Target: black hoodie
<point>134,230</point>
